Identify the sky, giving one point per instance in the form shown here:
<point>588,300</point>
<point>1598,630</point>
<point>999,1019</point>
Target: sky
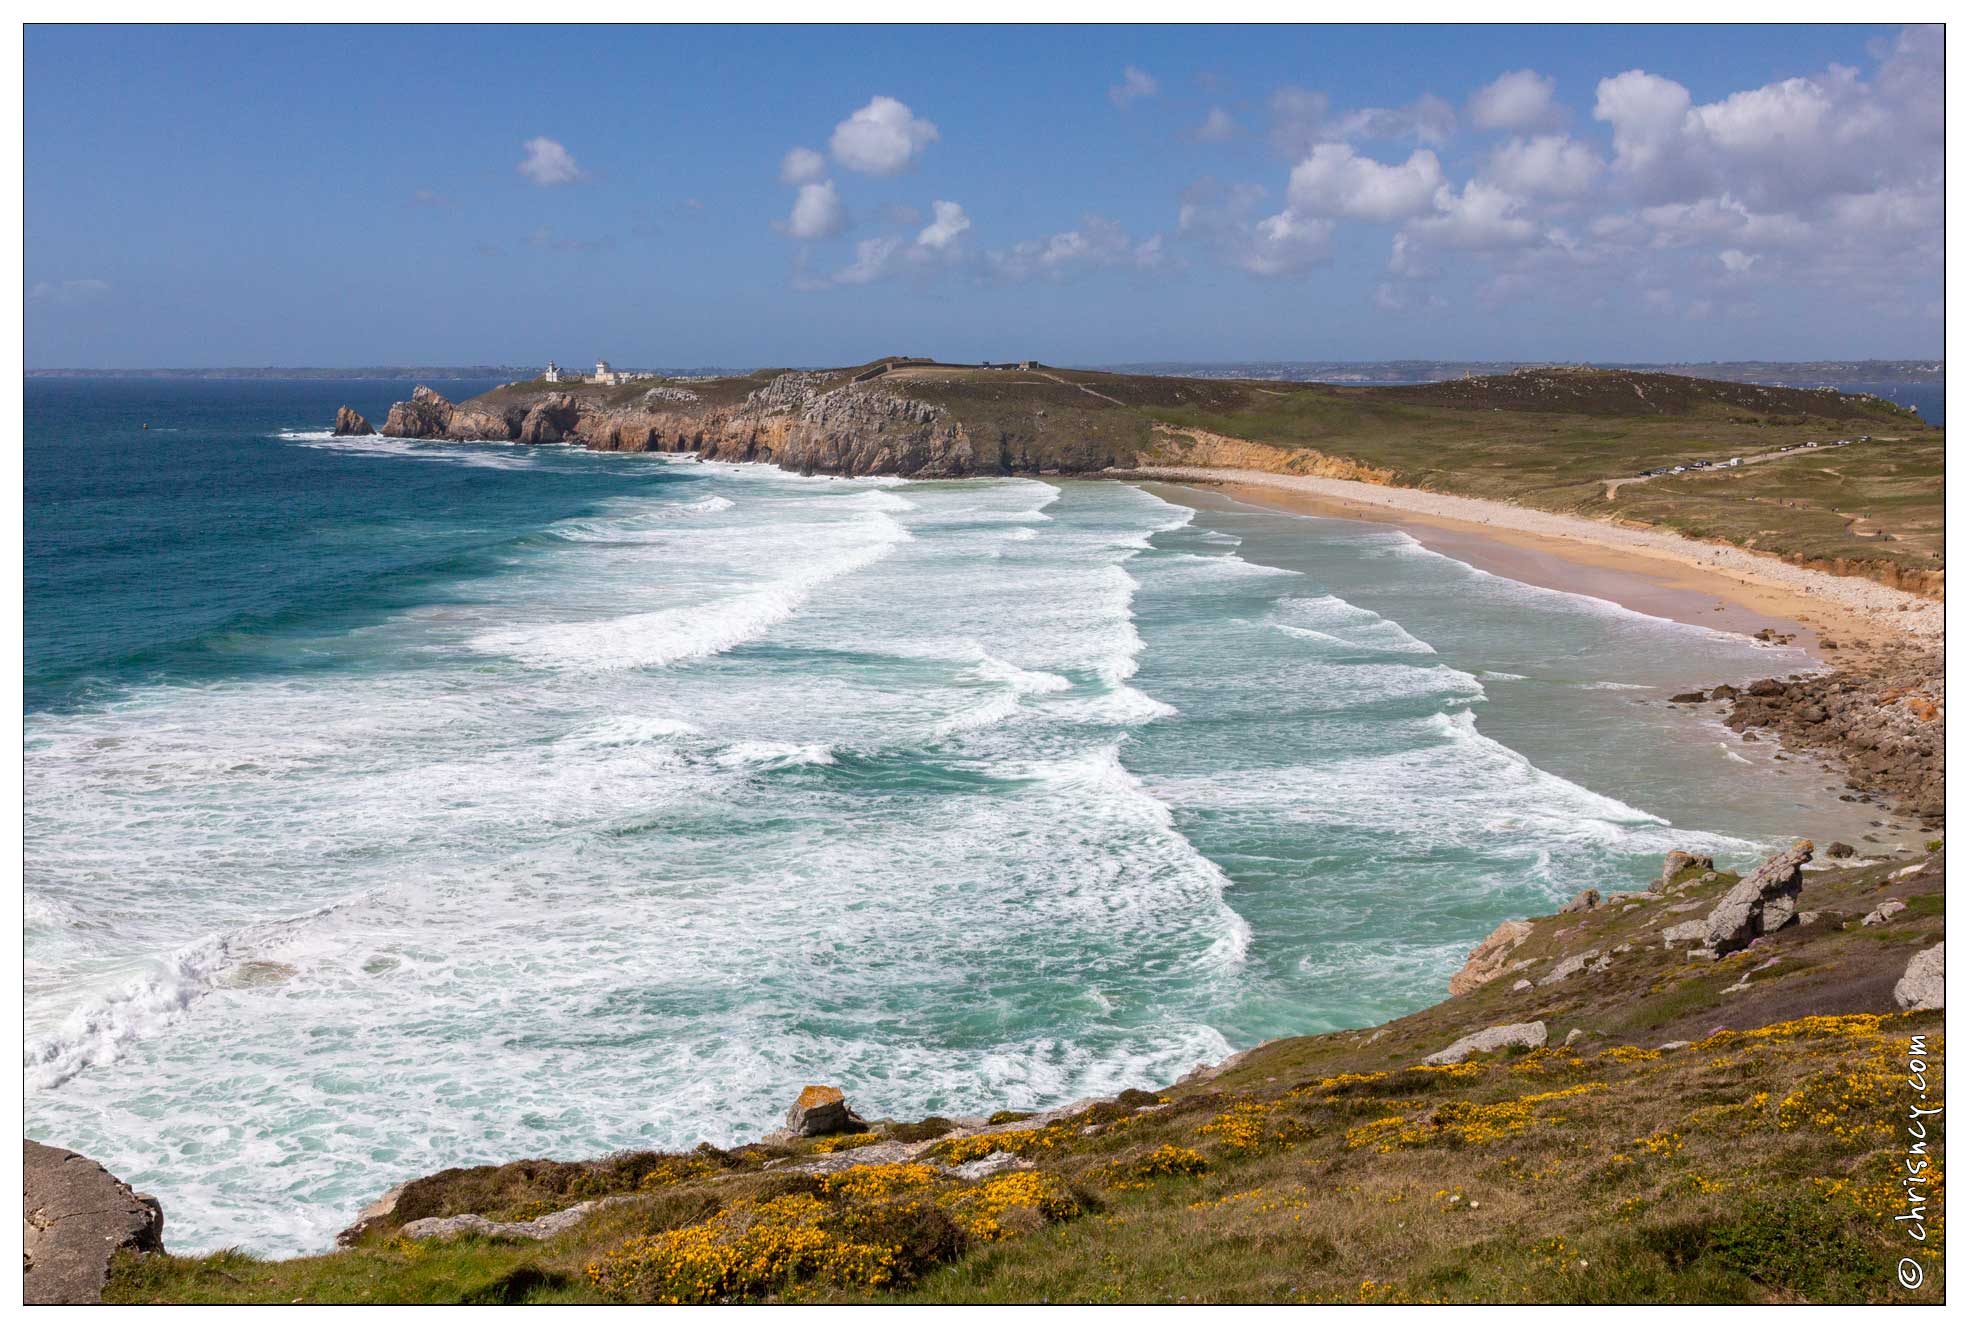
<point>667,197</point>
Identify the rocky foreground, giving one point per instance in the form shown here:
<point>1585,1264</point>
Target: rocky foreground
<point>1695,1089</point>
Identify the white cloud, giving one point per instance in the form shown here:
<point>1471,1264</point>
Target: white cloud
<point>1482,216</point>
<point>873,258</point>
<point>1736,262</point>
<point>1520,100</point>
<point>1427,119</point>
<point>1551,165</point>
<point>1287,244</point>
<point>1335,181</point>
<point>1099,242</point>
<point>883,138</point>
<point>548,163</point>
<point>1298,120</point>
<point>1134,85</point>
<point>817,213</point>
<point>68,292</point>
<point>1217,127</point>
<point>948,223</point>
<point>801,165</point>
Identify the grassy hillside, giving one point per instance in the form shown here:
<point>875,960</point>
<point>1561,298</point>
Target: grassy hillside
<point>1694,1131</point>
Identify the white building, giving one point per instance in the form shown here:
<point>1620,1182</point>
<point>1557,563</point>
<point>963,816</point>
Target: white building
<point>603,374</point>
<point>553,374</point>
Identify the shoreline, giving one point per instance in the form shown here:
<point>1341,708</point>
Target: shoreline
<point>1648,570</point>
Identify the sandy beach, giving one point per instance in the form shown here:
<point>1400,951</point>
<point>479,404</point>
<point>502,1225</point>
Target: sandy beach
<point>1649,570</point>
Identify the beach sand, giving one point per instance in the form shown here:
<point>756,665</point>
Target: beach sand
<point>1648,569</point>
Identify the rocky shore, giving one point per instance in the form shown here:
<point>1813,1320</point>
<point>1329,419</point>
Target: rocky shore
<point>1592,1086</point>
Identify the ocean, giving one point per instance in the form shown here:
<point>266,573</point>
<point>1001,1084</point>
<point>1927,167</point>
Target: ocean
<point>393,806</point>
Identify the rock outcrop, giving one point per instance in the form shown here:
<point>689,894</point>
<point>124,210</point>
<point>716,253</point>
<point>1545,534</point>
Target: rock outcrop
<point>536,1229</point>
<point>1491,958</point>
<point>1760,904</point>
<point>822,1110</point>
<point>1920,988</point>
<point>1530,1035</point>
<point>1883,723</point>
<point>76,1216</point>
<point>348,422</point>
<point>1677,862</point>
<point>426,415</point>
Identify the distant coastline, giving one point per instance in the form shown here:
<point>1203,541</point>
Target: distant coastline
<point>1775,373</point>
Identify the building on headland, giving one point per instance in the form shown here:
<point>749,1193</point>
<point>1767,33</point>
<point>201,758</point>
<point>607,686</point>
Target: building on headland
<point>604,375</point>
<point>553,374</point>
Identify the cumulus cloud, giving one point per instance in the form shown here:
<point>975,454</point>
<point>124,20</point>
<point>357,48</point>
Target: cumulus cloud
<point>1481,216</point>
<point>817,212</point>
<point>801,165</point>
<point>1520,101</point>
<point>548,163</point>
<point>1135,84</point>
<point>1551,165</point>
<point>883,138</point>
<point>1217,127</point>
<point>948,222</point>
<point>1335,181</point>
<point>1225,221</point>
<point>1427,119</point>
<point>1098,242</point>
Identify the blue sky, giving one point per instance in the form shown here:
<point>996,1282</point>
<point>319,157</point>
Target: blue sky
<point>336,196</point>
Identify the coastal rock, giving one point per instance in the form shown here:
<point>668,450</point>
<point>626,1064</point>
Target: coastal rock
<point>348,422</point>
<point>822,1110</point>
<point>76,1216</point>
<point>1760,904</point>
<point>1839,849</point>
<point>550,420</point>
<point>1886,910</point>
<point>1571,965</point>
<point>1678,861</point>
<point>473,422</point>
<point>1491,957</point>
<point>1920,988</point>
<point>426,415</point>
<point>375,1215</point>
<point>1697,695</point>
<point>1530,1035</point>
<point>1581,903</point>
<point>537,1229</point>
<point>1684,934</point>
<point>989,1166</point>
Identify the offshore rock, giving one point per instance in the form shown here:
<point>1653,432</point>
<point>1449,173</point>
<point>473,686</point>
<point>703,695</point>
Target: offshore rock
<point>1530,1035</point>
<point>426,415</point>
<point>348,421</point>
<point>77,1216</point>
<point>1761,903</point>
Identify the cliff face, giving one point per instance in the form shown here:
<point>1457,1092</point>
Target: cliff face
<point>808,422</point>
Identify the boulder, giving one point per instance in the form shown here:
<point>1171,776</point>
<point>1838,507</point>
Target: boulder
<point>426,415</point>
<point>1678,861</point>
<point>1722,692</point>
<point>1765,687</point>
<point>1887,909</point>
<point>1690,696</point>
<point>1839,849</point>
<point>1684,934</point>
<point>1760,904</point>
<point>1530,1035</point>
<point>1920,988</point>
<point>822,1110</point>
<point>347,422</point>
<point>1571,965</point>
<point>1579,904</point>
<point>535,1229</point>
<point>1491,958</point>
<point>76,1216</point>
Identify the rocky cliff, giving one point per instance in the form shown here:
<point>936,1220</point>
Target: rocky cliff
<point>813,422</point>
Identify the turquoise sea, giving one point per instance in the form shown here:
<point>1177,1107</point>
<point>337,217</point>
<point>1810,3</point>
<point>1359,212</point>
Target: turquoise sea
<point>393,806</point>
